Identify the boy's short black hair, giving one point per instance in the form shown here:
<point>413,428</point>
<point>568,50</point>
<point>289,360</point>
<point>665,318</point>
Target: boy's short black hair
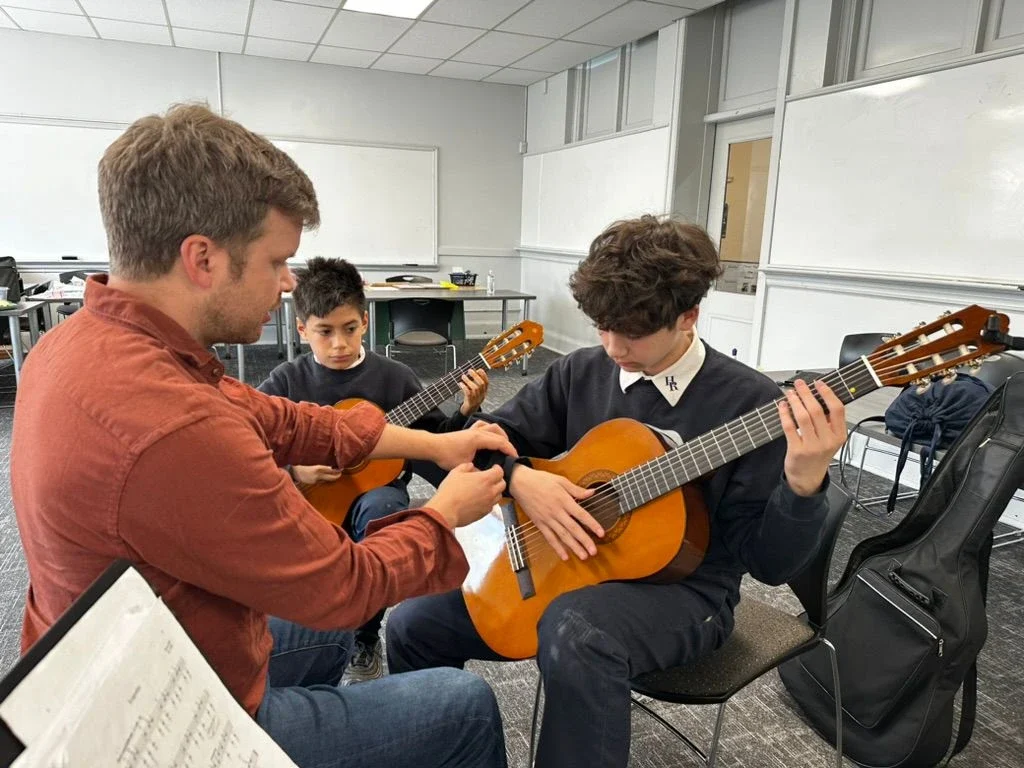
<point>642,274</point>
<point>326,284</point>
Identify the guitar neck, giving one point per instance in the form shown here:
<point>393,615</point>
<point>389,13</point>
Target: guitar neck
<point>419,404</point>
<point>707,452</point>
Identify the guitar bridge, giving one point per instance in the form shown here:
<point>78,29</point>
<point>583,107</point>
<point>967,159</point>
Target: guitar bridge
<point>514,541</point>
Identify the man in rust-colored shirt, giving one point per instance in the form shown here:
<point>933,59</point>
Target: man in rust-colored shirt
<point>129,442</point>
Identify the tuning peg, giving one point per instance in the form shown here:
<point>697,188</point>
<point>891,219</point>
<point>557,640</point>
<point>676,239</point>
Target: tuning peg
<point>922,324</point>
<point>947,313</point>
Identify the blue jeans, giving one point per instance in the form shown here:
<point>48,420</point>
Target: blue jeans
<point>591,643</point>
<point>439,717</point>
<point>373,505</point>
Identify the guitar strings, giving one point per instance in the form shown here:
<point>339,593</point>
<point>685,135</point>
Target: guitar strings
<point>606,500</point>
<point>604,505</point>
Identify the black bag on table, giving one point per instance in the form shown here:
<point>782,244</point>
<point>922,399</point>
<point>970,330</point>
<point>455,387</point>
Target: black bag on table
<point>907,617</point>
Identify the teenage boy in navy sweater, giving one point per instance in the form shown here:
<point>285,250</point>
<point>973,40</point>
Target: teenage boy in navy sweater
<point>330,309</point>
<point>641,285</point>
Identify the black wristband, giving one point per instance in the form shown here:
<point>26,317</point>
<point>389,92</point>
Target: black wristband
<point>510,463</point>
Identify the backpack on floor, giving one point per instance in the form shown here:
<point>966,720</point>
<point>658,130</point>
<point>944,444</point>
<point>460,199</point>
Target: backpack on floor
<point>907,618</point>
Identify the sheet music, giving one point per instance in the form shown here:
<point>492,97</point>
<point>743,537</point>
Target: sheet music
<point>146,698</point>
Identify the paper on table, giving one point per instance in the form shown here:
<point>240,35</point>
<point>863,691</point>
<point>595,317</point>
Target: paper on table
<point>146,699</point>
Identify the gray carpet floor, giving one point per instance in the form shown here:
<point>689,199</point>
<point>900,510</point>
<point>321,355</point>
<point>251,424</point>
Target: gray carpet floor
<point>763,729</point>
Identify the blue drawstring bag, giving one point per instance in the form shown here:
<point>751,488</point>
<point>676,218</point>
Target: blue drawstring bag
<point>932,419</point>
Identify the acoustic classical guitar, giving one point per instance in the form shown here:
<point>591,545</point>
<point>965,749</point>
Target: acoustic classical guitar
<point>333,500</point>
<point>655,521</point>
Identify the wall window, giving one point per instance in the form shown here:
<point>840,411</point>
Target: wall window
<point>886,37</point>
<point>614,91</point>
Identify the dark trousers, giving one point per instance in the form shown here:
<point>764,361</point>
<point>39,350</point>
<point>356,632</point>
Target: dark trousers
<point>591,643</point>
<point>373,505</point>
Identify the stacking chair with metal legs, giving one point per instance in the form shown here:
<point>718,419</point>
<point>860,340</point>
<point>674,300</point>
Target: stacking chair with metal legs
<point>763,638</point>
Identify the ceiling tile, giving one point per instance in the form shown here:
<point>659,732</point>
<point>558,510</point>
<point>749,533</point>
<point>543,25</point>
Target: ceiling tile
<point>147,11</point>
<point>630,22</point>
<point>473,13</point>
<point>277,49</point>
<point>501,48</point>
<point>367,31</point>
<point>554,18</point>
<point>560,55</point>
<point>132,31</point>
<point>288,21</point>
<point>208,41</point>
<point>6,22</point>
<point>345,57</point>
<point>437,41</point>
<point>463,70</point>
<point>322,3</point>
<point>511,76</point>
<point>57,23</point>
<point>416,65</point>
<point>221,16</point>
<point>59,6</point>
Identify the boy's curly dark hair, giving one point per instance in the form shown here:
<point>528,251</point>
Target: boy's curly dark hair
<point>326,284</point>
<point>642,274</point>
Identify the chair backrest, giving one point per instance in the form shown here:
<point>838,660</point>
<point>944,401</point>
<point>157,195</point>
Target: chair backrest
<point>811,584</point>
<point>407,279</point>
<point>857,344</point>
<point>434,315</point>
<point>998,368</point>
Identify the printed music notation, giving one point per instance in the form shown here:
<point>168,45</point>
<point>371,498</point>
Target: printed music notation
<point>145,699</point>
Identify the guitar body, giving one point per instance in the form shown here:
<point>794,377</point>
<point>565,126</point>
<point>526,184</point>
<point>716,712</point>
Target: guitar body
<point>334,500</point>
<point>664,540</point>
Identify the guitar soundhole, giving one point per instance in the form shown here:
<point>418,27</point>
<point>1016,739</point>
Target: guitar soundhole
<point>605,512</point>
<point>353,469</point>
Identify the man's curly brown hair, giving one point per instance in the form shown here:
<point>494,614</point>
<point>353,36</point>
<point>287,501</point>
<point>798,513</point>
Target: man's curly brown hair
<point>642,274</point>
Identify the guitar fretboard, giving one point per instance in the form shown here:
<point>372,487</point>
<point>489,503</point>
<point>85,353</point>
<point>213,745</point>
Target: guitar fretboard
<point>703,454</point>
<point>419,404</point>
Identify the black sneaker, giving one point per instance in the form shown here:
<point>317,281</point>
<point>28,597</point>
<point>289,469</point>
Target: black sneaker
<point>367,663</point>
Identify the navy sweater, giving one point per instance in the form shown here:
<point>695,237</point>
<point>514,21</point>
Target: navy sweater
<point>757,523</point>
<point>381,380</point>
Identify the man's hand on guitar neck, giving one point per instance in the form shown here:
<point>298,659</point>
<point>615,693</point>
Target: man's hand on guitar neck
<point>812,435</point>
<point>551,502</point>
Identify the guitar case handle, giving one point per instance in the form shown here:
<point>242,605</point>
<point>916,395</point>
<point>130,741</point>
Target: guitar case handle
<point>906,587</point>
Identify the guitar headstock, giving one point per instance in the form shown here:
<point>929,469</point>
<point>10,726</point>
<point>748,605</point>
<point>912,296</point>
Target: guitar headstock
<point>521,339</point>
<point>939,347</point>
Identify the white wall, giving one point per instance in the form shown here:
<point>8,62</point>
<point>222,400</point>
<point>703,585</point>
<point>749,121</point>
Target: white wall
<point>476,126</point>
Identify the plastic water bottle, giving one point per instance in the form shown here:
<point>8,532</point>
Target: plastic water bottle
<point>490,282</point>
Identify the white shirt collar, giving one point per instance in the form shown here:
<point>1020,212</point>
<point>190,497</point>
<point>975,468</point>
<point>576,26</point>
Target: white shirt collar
<point>362,356</point>
<point>674,380</point>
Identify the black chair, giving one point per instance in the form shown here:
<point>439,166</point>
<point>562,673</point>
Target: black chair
<point>995,370</point>
<point>68,308</point>
<point>408,279</point>
<point>856,345</point>
<point>421,324</point>
<point>762,639</point>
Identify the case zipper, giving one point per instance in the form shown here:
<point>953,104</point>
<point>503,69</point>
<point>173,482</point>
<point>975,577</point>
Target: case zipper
<point>938,640</point>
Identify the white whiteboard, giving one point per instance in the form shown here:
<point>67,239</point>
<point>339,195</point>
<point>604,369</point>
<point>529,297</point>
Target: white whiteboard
<point>49,206</point>
<point>378,205</point>
<point>570,195</point>
<point>922,175</point>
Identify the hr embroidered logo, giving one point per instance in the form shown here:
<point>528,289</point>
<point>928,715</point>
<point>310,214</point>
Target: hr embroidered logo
<point>670,382</point>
